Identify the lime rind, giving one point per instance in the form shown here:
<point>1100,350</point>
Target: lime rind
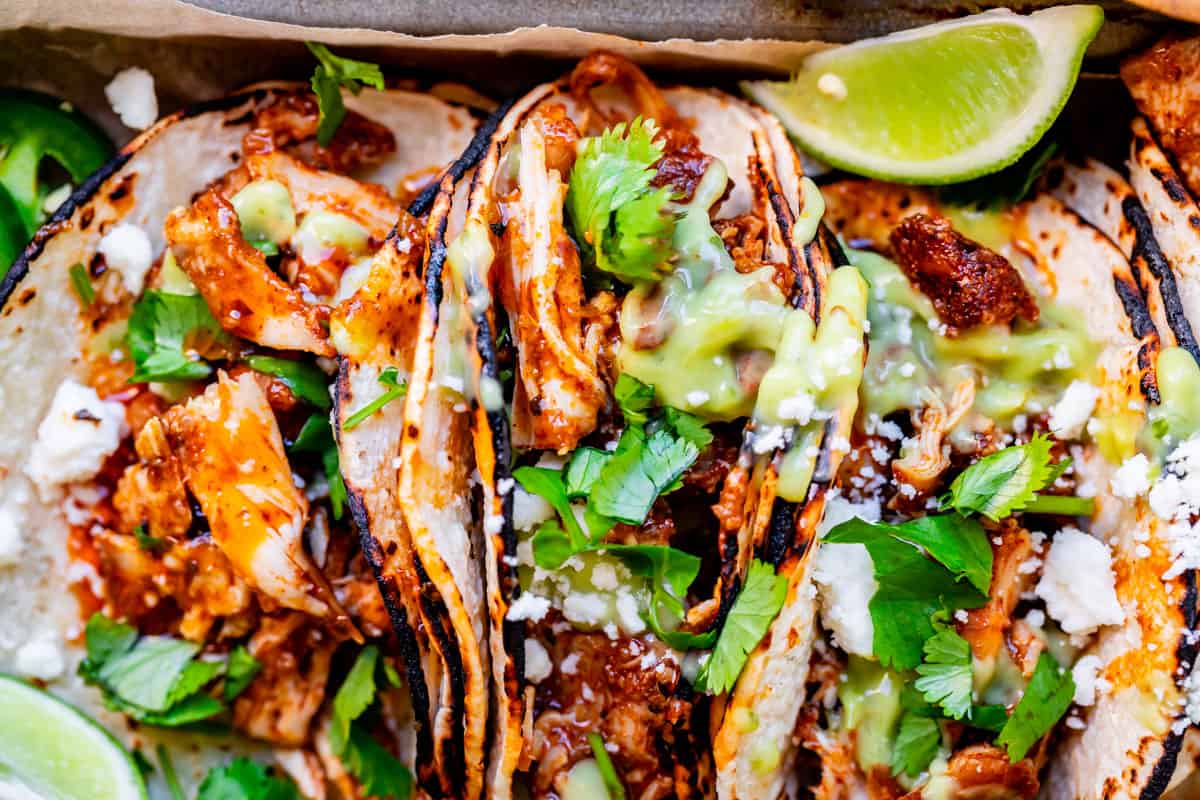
<point>49,743</point>
<point>1061,34</point>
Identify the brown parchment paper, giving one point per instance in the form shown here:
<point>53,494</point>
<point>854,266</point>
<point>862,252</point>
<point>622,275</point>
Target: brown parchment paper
<point>72,48</point>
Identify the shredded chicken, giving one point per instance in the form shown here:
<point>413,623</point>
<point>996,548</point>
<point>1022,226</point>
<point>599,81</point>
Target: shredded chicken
<point>560,389</point>
<point>1165,83</point>
<point>278,706</point>
<point>622,689</point>
<point>985,627</point>
<point>983,772</point>
<point>291,123</point>
<point>922,467</point>
<point>229,445</point>
<point>968,284</point>
<point>151,492</point>
<point>246,297</point>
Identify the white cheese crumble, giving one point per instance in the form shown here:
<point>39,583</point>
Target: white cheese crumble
<point>537,662</point>
<point>10,536</point>
<point>1175,498</point>
<point>1077,583</point>
<point>799,407</point>
<point>569,664</point>
<point>769,438</point>
<point>1085,674</point>
<point>126,249</point>
<point>845,579</point>
<point>604,577</point>
<point>1073,410</point>
<point>528,606</point>
<point>529,510</point>
<point>1132,478</point>
<point>131,95</point>
<point>696,397</point>
<point>77,434</point>
<point>41,658</point>
<point>585,608</point>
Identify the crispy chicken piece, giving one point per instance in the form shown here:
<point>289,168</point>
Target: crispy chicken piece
<point>983,772</point>
<point>246,297</point>
<point>560,391</point>
<point>1165,83</point>
<point>291,123</point>
<point>968,284</point>
<point>229,445</point>
<point>279,705</point>
<point>151,492</point>
<point>865,212</point>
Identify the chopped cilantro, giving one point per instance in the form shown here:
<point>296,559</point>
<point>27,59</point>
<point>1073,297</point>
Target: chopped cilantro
<point>397,388</point>
<point>1006,481</point>
<point>157,680</point>
<point>633,398</point>
<point>305,380</point>
<point>243,779</point>
<point>377,770</point>
<point>929,566</point>
<point>612,781</point>
<point>82,283</point>
<point>917,741</point>
<point>331,75</point>
<point>316,436</point>
<point>619,222</point>
<point>1047,697</point>
<point>583,469</point>
<point>240,671</point>
<point>755,608</point>
<point>151,544</point>
<point>642,467</point>
<point>946,678</point>
<point>158,329</point>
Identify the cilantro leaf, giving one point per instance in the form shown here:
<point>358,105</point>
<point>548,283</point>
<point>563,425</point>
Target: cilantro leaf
<point>612,782</point>
<point>548,484</point>
<point>357,691</point>
<point>105,639</point>
<point>81,281</point>
<point>945,676</point>
<point>168,770</point>
<point>305,380</point>
<point>241,670</point>
<point>1046,698</point>
<point>633,398</point>
<point>642,467</point>
<point>755,608</point>
<point>331,75</point>
<point>926,567</point>
<point>243,779</point>
<point>991,717</point>
<point>917,742</point>
<point>687,426</point>
<point>1006,481</point>
<point>583,469</point>
<point>379,772</point>
<point>316,436</point>
<point>158,330</point>
<point>397,388</point>
<point>146,674</point>
<point>151,544</point>
<point>619,222</point>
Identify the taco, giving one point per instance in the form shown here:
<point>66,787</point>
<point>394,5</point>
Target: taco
<point>1008,408</point>
<point>170,339</point>
<point>630,262</point>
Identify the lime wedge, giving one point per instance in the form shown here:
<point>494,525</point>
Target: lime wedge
<point>49,749</point>
<point>938,104</point>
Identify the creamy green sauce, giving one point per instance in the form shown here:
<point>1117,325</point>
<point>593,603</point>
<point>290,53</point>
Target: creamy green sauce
<point>870,697</point>
<point>468,259</point>
<point>265,212</point>
<point>325,230</point>
<point>1023,369</point>
<point>1177,417</point>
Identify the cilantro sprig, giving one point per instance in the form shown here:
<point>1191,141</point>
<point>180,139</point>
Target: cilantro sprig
<point>753,611</point>
<point>160,680</point>
<point>1009,480</point>
<point>1047,697</point>
<point>377,770</point>
<point>316,436</point>
<point>946,678</point>
<point>305,380</point>
<point>918,739</point>
<point>926,568</point>
<point>243,779</point>
<point>161,328</point>
<point>621,224</point>
<point>332,74</point>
